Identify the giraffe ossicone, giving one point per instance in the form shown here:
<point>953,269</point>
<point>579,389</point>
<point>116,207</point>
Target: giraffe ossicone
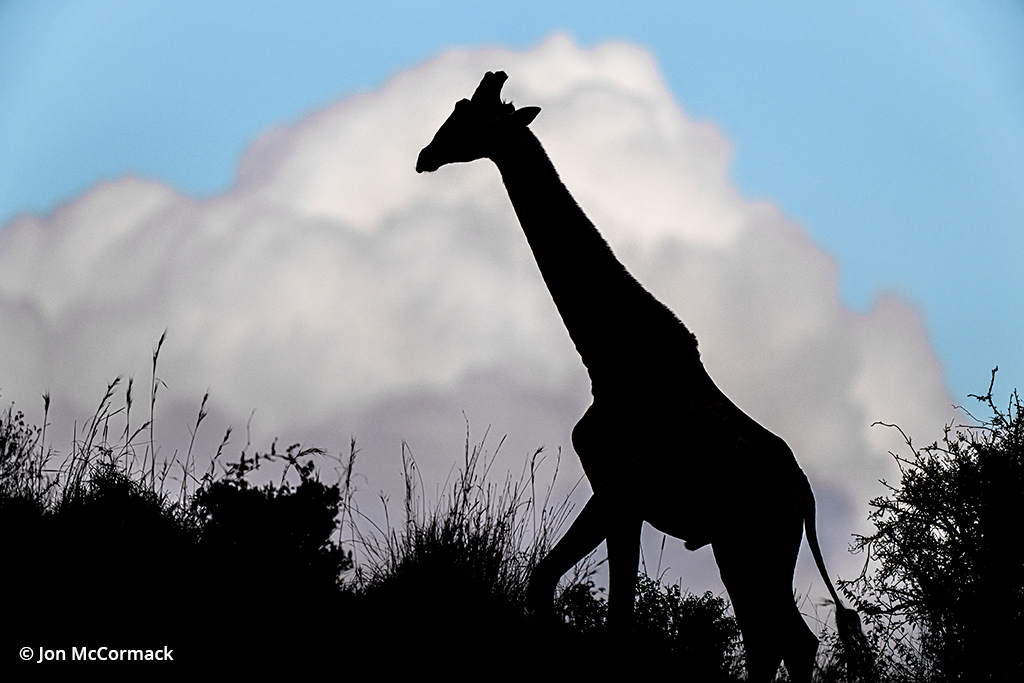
<point>660,443</point>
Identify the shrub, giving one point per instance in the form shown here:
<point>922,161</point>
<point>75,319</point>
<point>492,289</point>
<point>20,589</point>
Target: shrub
<point>944,578</point>
<point>97,551</point>
<point>698,630</point>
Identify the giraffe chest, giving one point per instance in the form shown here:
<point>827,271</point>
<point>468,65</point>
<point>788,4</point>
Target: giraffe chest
<point>630,445</point>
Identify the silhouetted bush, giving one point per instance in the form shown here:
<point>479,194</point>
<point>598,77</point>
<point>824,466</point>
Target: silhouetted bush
<point>944,582</point>
<point>698,630</point>
<point>97,551</point>
<point>284,530</point>
<point>695,635</point>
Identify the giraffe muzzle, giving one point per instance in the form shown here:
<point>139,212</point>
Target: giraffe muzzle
<point>425,162</point>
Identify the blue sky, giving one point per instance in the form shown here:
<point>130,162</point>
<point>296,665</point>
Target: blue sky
<point>894,132</point>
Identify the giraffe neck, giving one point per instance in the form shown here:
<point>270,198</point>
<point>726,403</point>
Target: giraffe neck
<point>608,314</point>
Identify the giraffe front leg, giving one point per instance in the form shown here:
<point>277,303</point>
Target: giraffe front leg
<point>586,533</point>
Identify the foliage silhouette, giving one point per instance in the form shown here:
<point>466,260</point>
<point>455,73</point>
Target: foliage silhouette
<point>285,529</point>
<point>943,582</point>
<point>97,552</point>
<point>698,629</point>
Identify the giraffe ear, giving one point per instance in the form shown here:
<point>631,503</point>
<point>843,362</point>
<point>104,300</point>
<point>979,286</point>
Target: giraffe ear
<point>525,115</point>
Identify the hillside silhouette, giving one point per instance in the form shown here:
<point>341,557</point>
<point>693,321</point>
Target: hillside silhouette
<point>98,550</point>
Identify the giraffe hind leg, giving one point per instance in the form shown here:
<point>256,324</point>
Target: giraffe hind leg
<point>773,631</point>
<point>757,569</point>
<point>623,560</point>
<point>801,649</point>
<point>792,643</point>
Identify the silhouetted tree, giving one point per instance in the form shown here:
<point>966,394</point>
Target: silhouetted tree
<point>944,578</point>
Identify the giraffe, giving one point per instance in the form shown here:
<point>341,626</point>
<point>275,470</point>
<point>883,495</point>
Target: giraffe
<point>660,442</point>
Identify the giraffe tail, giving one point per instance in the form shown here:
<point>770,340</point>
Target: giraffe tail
<point>857,652</point>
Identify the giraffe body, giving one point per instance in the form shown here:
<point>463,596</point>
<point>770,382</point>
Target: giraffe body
<point>660,443</point>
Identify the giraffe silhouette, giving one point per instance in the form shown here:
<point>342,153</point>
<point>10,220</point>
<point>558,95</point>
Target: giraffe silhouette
<point>660,442</point>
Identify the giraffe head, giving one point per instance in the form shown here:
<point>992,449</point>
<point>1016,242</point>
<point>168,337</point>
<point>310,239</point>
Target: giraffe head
<point>472,129</point>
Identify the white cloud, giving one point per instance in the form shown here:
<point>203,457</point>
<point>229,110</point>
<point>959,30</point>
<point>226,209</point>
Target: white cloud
<point>335,291</point>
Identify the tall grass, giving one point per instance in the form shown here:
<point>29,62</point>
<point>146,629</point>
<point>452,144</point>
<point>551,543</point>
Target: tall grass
<point>478,530</point>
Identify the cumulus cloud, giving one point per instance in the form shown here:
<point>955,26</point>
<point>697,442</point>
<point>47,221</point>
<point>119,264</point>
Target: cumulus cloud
<point>334,291</point>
